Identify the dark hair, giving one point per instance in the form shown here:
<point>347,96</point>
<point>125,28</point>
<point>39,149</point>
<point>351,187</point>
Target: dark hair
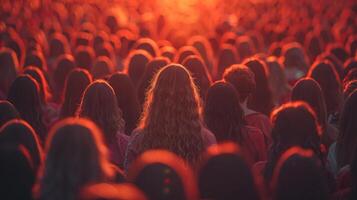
<point>313,45</point>
<point>184,52</point>
<point>162,175</point>
<point>84,56</point>
<point>309,91</point>
<point>225,176</point>
<point>38,75</point>
<point>148,45</point>
<point>102,67</point>
<point>349,88</point>
<point>227,56</point>
<point>152,67</point>
<point>75,156</point>
<point>76,82</point>
<point>347,140</point>
<point>204,47</point>
<point>58,45</point>
<point>24,94</point>
<point>338,51</point>
<point>36,59</point>
<point>99,104</point>
<point>245,47</point>
<point>126,99</point>
<point>327,77</point>
<point>16,172</point>
<point>299,175</point>
<point>294,124</point>
<point>7,112</point>
<point>350,76</point>
<point>242,78</point>
<point>19,132</point>
<point>64,64</point>
<point>294,57</point>
<point>261,99</point>
<point>223,114</point>
<point>199,73</point>
<point>136,63</point>
<point>9,67</point>
<point>349,65</point>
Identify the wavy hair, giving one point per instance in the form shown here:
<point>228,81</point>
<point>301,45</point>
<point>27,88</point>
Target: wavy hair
<point>171,116</point>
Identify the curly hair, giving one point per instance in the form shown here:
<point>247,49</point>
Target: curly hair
<point>172,114</point>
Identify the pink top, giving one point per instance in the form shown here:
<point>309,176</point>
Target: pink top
<point>261,122</point>
<point>253,147</point>
<point>118,148</point>
<point>132,150</point>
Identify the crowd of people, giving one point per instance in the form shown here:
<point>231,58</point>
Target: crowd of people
<point>99,103</point>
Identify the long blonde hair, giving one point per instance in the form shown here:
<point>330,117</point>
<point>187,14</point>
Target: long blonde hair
<point>171,118</point>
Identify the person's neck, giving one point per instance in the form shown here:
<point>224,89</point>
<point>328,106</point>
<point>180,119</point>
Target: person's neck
<point>246,110</point>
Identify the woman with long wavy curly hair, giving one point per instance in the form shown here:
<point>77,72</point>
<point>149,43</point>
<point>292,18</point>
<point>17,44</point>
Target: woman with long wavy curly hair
<point>171,118</point>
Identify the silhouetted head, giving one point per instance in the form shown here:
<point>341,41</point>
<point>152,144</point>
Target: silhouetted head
<point>58,45</point>
<point>152,67</point>
<point>349,88</point>
<point>102,67</point>
<point>294,124</point>
<point>299,175</point>
<point>18,132</point>
<point>99,104</point>
<point>127,100</point>
<point>222,112</point>
<point>313,45</point>
<point>161,175</point>
<point>76,82</point>
<point>24,94</point>
<point>7,112</point>
<point>9,67</point>
<point>227,56</point>
<point>184,52</point>
<point>338,51</point>
<point>168,52</point>
<point>173,99</point>
<point>295,60</point>
<point>38,75</point>
<point>225,176</point>
<point>84,57</point>
<point>347,140</point>
<point>16,172</point>
<point>75,156</point>
<point>245,47</point>
<point>36,59</point>
<point>199,73</point>
<point>136,63</point>
<point>148,45</point>
<point>327,77</point>
<point>64,64</point>
<point>261,99</point>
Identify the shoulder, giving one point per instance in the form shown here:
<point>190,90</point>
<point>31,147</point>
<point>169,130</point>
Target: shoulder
<point>251,130</point>
<point>257,116</point>
<point>208,137</point>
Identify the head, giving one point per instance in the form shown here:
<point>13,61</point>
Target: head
<point>18,132</point>
<point>38,75</point>
<point>36,59</point>
<point>243,80</point>
<point>9,67</point>
<point>64,64</point>
<point>222,112</point>
<point>102,67</point>
<point>7,112</point>
<point>327,77</point>
<point>184,52</point>
<point>299,175</point>
<point>261,99</point>
<point>349,88</point>
<point>162,175</point>
<point>152,67</point>
<point>148,45</point>
<point>294,60</point>
<point>127,100</point>
<point>309,91</point>
<point>58,45</point>
<point>99,104</point>
<point>74,149</point>
<point>347,140</point>
<point>24,94</point>
<point>227,56</point>
<point>245,47</point>
<point>225,176</point>
<point>277,80</point>
<point>172,113</point>
<point>17,173</point>
<point>199,72</point>
<point>294,124</point>
<point>84,56</point>
<point>76,82</point>
<point>136,62</point>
